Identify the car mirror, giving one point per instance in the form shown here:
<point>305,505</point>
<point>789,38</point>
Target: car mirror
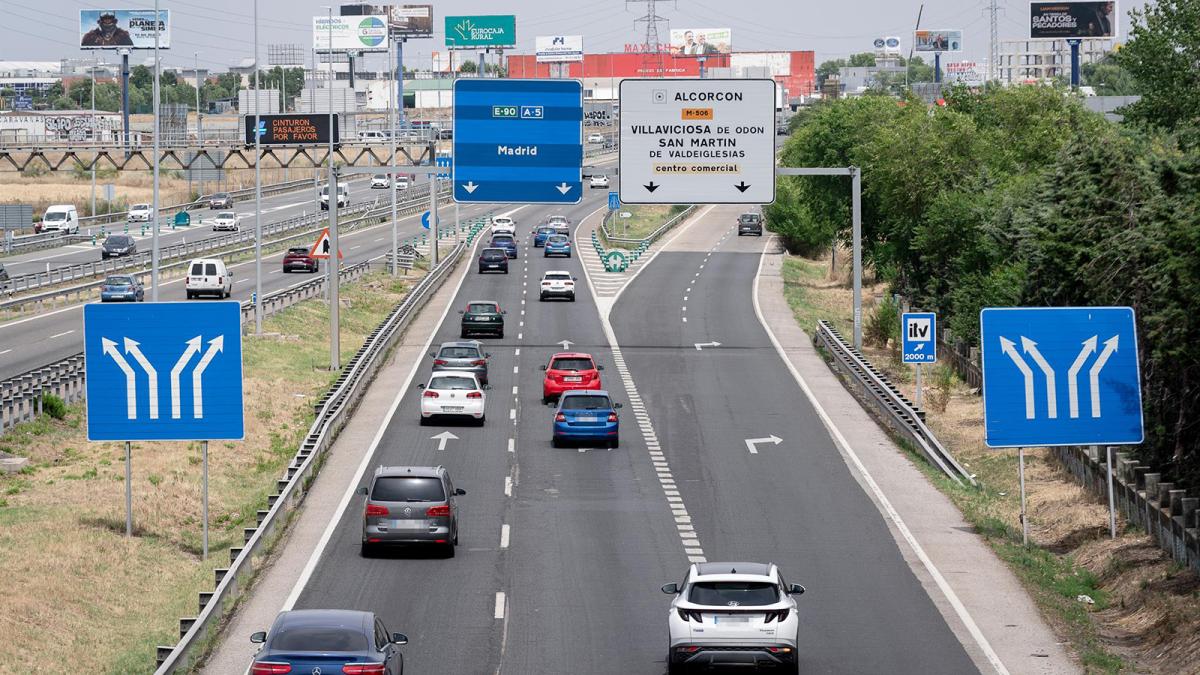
<point>599,367</point>
<point>504,311</point>
<point>670,589</point>
<point>459,492</point>
<point>487,355</point>
<point>616,406</point>
<point>420,386</point>
<point>362,490</point>
<point>796,589</point>
<point>259,637</point>
<point>541,367</point>
<point>399,639</point>
<point>432,355</point>
<point>487,387</point>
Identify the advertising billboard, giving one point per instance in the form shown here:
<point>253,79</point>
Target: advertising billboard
<point>404,21</point>
<point>291,129</point>
<point>559,48</point>
<point>965,72</point>
<point>887,46</point>
<point>937,41</point>
<point>474,32</point>
<point>350,33</point>
<point>1058,20</point>
<point>701,41</point>
<point>116,28</point>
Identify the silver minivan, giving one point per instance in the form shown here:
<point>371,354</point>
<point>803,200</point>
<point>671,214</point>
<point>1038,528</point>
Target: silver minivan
<point>410,505</point>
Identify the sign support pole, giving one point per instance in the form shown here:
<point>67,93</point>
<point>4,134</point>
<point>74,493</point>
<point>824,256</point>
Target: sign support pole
<point>204,499</point>
<point>1024,515</point>
<point>1074,63</point>
<point>258,294</point>
<point>128,489</point>
<point>154,253</point>
<point>937,67</point>
<point>433,216</point>
<point>919,387</point>
<point>1112,507</point>
<point>392,115</point>
<point>125,96</point>
<point>334,268</point>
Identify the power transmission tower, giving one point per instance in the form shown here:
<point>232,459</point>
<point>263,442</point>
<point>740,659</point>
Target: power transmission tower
<point>993,9</point>
<point>652,63</point>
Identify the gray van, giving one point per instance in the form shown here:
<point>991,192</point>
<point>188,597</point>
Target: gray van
<point>410,505</point>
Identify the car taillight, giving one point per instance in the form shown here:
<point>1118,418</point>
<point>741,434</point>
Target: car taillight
<point>560,418</point>
<point>270,668</point>
<point>439,362</point>
<point>479,362</point>
<point>430,394</point>
<point>220,280</point>
<point>691,615</point>
<point>780,650</point>
<point>438,511</point>
<point>376,510</point>
<point>364,669</point>
<point>612,417</point>
<point>475,394</point>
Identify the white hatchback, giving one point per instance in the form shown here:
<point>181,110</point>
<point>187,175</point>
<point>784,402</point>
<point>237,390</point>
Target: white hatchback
<point>503,225</point>
<point>139,213</point>
<point>227,220</point>
<point>557,284</point>
<point>455,394</point>
<point>599,181</point>
<point>380,182</point>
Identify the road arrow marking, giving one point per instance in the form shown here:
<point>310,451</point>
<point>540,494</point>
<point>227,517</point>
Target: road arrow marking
<point>651,186</point>
<point>742,187</point>
<point>1009,347</point>
<point>700,345</point>
<point>109,347</point>
<point>1110,346</point>
<point>215,345</point>
<point>1089,348</point>
<point>193,348</point>
<point>442,438</point>
<point>469,186</point>
<point>1031,349</point>
<point>566,344</point>
<point>132,348</point>
<point>752,442</point>
<point>564,188</point>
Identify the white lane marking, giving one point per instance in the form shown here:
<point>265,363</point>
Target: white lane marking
<point>5,352</point>
<point>512,413</point>
<point>514,390</point>
<point>517,351</point>
<point>504,531</point>
<point>512,445</point>
<point>58,335</point>
<point>499,614</point>
<point>685,298</point>
<point>516,369</point>
<point>884,504</point>
<point>507,487</point>
<point>520,336</point>
<point>274,271</point>
<point>685,319</point>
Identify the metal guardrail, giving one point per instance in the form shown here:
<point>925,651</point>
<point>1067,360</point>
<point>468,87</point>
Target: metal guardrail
<point>649,239</point>
<point>873,389</point>
<point>235,195</point>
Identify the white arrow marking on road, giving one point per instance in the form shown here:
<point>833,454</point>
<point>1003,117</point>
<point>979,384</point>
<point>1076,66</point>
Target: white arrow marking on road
<point>1009,347</point>
<point>470,186</point>
<point>566,344</point>
<point>109,347</point>
<point>193,347</point>
<point>1089,348</point>
<point>1031,349</point>
<point>700,345</point>
<point>1110,346</point>
<point>131,347</point>
<point>214,345</point>
<point>751,442</point>
<point>442,438</point>
<point>564,188</point>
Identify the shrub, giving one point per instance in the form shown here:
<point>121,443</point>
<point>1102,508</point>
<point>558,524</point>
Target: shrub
<point>884,323</point>
<point>54,406</point>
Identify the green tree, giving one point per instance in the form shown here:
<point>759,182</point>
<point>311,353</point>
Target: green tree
<point>828,68</point>
<point>1163,56</point>
<point>141,77</point>
<point>861,59</point>
<point>468,67</point>
<point>1108,78</point>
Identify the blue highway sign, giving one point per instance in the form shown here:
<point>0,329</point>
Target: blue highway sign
<point>518,141</point>
<point>918,337</point>
<point>1060,376</point>
<point>614,201</point>
<point>164,371</point>
<point>443,160</point>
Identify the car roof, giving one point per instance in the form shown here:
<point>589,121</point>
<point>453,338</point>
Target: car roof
<point>556,272</point>
<point>571,355</point>
<point>206,260</point>
<point>461,343</point>
<point>484,302</point>
<point>735,569</point>
<point>585,392</point>
<point>417,471</point>
<point>324,617</point>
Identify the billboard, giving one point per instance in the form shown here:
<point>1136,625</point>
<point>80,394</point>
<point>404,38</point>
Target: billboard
<point>559,48</point>
<point>598,114</point>
<point>474,32</point>
<point>701,41</point>
<point>937,40</point>
<point>291,129</point>
<point>1057,20</point>
<point>887,46</point>
<point>115,28</point>
<point>965,72</point>
<point>404,21</point>
<point>350,33</point>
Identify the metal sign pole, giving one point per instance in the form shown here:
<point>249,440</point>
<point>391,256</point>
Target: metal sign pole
<point>433,218</point>
<point>1024,516</point>
<point>393,118</point>
<point>1112,507</point>
<point>258,292</point>
<point>918,397</point>
<point>128,489</point>
<point>334,276</point>
<point>154,253</point>
<point>204,500</point>
<point>856,206</point>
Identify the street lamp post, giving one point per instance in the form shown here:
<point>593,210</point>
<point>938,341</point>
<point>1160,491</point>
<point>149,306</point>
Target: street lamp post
<point>199,132</point>
<point>258,293</point>
<point>154,254</point>
<point>392,117</point>
<point>95,126</point>
<point>332,187</point>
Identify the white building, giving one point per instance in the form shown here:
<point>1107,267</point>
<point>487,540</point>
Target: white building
<point>1029,61</point>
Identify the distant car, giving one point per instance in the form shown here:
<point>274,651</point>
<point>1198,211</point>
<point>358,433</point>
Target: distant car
<point>505,241</point>
<point>139,213</point>
<point>227,220</point>
<point>586,416</point>
<point>599,181</point>
<point>300,258</point>
<point>59,218</point>
<point>220,200</point>
<point>380,182</point>
<point>122,288</point>
<point>568,371</point>
<point>558,220</point>
<point>410,505</point>
<point>542,234</point>
<point>589,170</point>
<point>117,245</point>
<point>463,356</point>
<point>482,316</point>
<point>208,276</point>
<point>557,284</point>
<point>343,196</point>
<point>402,182</point>
<point>595,138</point>
<point>303,641</point>
<point>503,225</point>
<point>4,278</point>
<point>557,244</point>
<point>493,260</point>
<point>733,613</point>
<point>453,395</point>
<point>750,223</point>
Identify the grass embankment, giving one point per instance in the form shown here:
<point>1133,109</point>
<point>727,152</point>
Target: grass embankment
<point>68,576</point>
<point>642,221</point>
<point>1145,614</point>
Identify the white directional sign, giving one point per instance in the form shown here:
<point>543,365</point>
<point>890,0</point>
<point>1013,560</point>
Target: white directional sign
<point>697,141</point>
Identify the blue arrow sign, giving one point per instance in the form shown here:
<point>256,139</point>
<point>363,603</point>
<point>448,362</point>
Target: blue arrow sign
<point>918,337</point>
<point>614,201</point>
<point>164,371</point>
<point>261,129</point>
<point>443,160</point>
<point>518,141</point>
<point>425,220</point>
<point>1060,376</point>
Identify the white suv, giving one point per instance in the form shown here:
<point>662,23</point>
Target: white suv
<point>503,225</point>
<point>139,213</point>
<point>558,284</point>
<point>733,614</point>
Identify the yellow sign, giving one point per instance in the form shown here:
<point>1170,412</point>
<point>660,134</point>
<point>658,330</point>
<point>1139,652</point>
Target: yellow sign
<point>696,114</point>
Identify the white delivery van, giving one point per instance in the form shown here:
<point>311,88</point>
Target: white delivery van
<point>60,218</point>
<point>343,196</point>
<point>208,276</point>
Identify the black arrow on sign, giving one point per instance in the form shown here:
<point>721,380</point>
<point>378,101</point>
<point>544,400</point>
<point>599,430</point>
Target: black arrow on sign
<point>742,187</point>
<point>651,186</point>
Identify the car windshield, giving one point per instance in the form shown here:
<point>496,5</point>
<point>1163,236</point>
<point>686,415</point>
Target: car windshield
<point>571,363</point>
<point>221,195</point>
<point>319,639</point>
<point>459,353</point>
<point>502,221</point>
<point>503,239</point>
<point>558,239</point>
<point>297,251</point>
<point>546,230</point>
<point>118,281</point>
<point>481,308</point>
<point>494,254</point>
<point>408,489</point>
<point>749,218</point>
<point>558,276</point>
<point>140,207</point>
<point>227,215</point>
<point>117,240</point>
<point>55,215</point>
<point>453,384</point>
<point>586,403</point>
<point>733,593</point>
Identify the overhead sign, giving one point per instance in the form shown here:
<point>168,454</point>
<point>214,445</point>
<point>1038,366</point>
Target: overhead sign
<point>291,129</point>
<point>518,141</point>
<point>937,41</point>
<point>559,48</point>
<point>163,371</point>
<point>116,28</point>
<point>350,33</point>
<point>1060,376</point>
<point>697,141</point>
<point>474,32</point>
<point>701,41</point>
<point>918,337</point>
<point>321,247</point>
<point>1058,20</point>
<point>403,21</point>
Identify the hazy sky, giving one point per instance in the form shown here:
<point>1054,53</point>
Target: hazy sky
<point>222,30</point>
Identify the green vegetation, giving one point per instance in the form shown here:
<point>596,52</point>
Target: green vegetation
<point>54,406</point>
<point>642,221</point>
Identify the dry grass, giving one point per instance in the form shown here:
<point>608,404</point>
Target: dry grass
<point>68,576</point>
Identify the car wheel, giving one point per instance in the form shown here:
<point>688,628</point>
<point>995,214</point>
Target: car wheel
<point>675,668</point>
<point>546,399</point>
<point>463,335</point>
<point>614,443</point>
<point>479,422</point>
<point>423,421</point>
<point>572,297</point>
<point>286,270</point>
<point>542,298</point>
<point>555,443</point>
<point>190,295</point>
<point>450,550</point>
<point>366,550</point>
<point>500,335</point>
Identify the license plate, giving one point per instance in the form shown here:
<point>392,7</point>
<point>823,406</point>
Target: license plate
<point>408,524</point>
<point>731,619</point>
<point>452,408</point>
<point>588,418</point>
<point>572,379</point>
<point>492,266</point>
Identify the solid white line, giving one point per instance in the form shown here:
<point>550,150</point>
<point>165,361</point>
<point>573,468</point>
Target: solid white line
<point>58,335</point>
<point>883,501</point>
<point>499,614</point>
<point>504,535</point>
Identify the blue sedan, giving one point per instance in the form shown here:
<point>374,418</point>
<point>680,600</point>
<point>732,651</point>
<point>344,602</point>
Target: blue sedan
<point>557,245</point>
<point>506,242</point>
<point>586,417</point>
<point>122,288</point>
<point>541,235</point>
<point>329,641</point>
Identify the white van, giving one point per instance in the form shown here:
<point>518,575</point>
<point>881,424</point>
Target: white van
<point>343,196</point>
<point>60,218</point>
<point>208,276</point>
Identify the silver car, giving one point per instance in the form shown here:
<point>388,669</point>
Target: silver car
<point>410,505</point>
<point>463,356</point>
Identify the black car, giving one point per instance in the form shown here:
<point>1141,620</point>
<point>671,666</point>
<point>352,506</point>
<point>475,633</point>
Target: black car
<point>750,223</point>
<point>328,640</point>
<point>220,200</point>
<point>493,260</point>
<point>482,316</point>
<point>117,245</point>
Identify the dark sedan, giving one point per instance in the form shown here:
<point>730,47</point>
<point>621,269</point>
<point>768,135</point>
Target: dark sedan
<point>122,288</point>
<point>328,641</point>
<point>117,245</point>
<point>482,316</point>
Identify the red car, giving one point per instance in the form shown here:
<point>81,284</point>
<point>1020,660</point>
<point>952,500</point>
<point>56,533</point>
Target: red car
<point>569,371</point>
<point>300,259</point>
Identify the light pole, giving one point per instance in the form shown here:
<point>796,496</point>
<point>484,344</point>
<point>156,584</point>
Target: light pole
<point>257,187</point>
<point>332,187</point>
<point>154,252</point>
<point>392,117</point>
<point>95,63</point>
<point>199,133</point>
